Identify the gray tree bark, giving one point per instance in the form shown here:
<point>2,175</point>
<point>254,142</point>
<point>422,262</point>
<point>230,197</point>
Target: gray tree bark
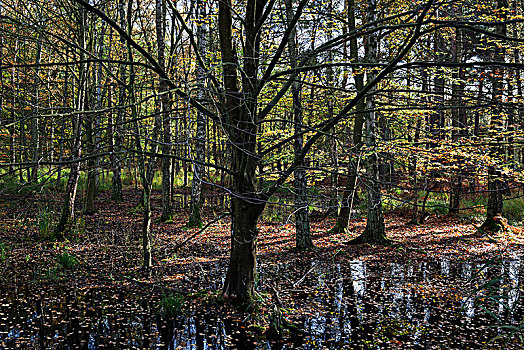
<point>67,218</point>
<point>302,229</point>
<point>165,112</point>
<point>195,219</point>
<point>375,231</point>
<point>349,192</point>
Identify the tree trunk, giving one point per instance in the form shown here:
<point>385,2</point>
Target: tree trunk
<point>349,192</point>
<point>165,111</point>
<point>375,231</point>
<point>239,109</point>
<point>240,278</point>
<point>117,141</point>
<point>67,218</point>
<point>195,219</point>
<point>35,136</point>
<point>302,230</point>
<point>458,121</point>
<point>91,186</point>
<point>496,184</point>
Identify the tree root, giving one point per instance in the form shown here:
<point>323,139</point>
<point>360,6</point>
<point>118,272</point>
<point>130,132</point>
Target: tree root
<point>363,239</point>
<point>496,223</point>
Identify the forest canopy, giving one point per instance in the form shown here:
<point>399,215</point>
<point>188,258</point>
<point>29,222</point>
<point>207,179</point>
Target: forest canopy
<point>335,104</point>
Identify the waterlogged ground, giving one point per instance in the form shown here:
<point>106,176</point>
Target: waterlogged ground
<point>360,305</point>
<point>442,286</point>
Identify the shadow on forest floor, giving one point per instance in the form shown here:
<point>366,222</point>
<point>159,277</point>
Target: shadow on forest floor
<point>90,291</point>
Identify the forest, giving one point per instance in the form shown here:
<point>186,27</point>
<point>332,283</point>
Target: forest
<point>261,174</point>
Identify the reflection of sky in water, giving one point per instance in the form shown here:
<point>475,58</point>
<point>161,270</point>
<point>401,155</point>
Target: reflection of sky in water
<point>369,298</point>
<point>513,275</point>
<point>444,267</point>
<point>408,295</point>
<point>358,277</point>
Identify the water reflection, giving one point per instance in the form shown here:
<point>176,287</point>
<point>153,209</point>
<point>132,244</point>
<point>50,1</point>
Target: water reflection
<point>357,305</point>
<point>102,318</point>
<point>419,306</point>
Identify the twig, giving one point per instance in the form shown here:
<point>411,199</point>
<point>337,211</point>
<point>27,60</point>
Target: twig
<point>304,277</point>
<point>200,231</point>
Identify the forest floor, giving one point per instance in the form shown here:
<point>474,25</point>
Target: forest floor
<point>105,250</point>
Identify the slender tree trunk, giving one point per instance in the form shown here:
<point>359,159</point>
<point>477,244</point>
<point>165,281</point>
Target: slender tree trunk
<point>35,136</point>
<point>117,136</point>
<point>496,184</point>
<point>146,165</point>
<point>303,233</point>
<point>332,209</point>
<point>458,121</point>
<point>165,110</point>
<point>67,218</point>
<point>349,191</point>
<point>375,231</point>
<point>90,144</point>
<point>91,186</point>
<point>199,151</point>
<point>14,88</point>
<point>520,111</point>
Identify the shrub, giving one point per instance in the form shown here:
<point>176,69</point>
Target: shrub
<point>43,219</point>
<point>4,252</point>
<point>171,305</point>
<point>67,261</point>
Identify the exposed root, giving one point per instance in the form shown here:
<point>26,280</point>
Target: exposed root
<point>364,238</point>
<point>495,224</point>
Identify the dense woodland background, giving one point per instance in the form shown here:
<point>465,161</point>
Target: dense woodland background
<point>330,108</point>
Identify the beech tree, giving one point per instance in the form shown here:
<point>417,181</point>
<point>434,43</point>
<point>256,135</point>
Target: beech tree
<point>263,60</point>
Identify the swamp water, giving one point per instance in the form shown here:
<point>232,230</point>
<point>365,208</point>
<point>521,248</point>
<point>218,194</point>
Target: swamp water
<point>358,305</point>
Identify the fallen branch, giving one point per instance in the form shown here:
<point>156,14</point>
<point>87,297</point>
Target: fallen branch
<point>304,277</point>
<point>200,231</point>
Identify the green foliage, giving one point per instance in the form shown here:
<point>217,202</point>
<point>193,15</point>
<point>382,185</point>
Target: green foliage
<point>389,204</point>
<point>80,228</point>
<point>157,181</point>
<point>105,182</point>
<point>4,251</point>
<point>179,179</point>
<point>51,274</point>
<point>9,182</point>
<point>514,210</point>
<point>128,178</point>
<point>171,304</point>
<point>67,261</point>
<point>437,203</point>
<point>44,222</point>
<point>474,207</point>
<point>278,209</point>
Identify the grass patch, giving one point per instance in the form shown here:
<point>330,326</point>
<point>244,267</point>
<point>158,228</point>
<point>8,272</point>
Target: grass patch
<point>171,305</point>
<point>4,251</point>
<point>67,261</point>
<point>514,210</point>
<point>44,222</point>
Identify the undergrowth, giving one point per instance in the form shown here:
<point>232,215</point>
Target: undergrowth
<point>67,261</point>
<point>171,305</point>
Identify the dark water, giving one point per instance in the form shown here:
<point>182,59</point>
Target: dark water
<point>423,305</point>
<point>358,305</point>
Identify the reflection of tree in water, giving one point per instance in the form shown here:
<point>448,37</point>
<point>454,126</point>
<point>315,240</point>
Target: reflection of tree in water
<point>418,305</point>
